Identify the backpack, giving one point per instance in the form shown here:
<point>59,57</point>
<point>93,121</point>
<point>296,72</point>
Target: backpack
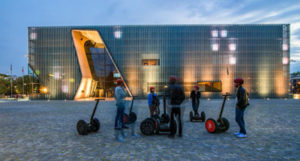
<point>246,99</point>
<point>177,96</point>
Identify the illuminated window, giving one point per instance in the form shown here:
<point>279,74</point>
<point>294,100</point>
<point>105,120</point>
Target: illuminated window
<point>232,60</point>
<point>214,33</point>
<point>33,36</point>
<point>224,33</point>
<point>65,89</point>
<point>285,47</point>
<point>117,75</point>
<point>232,47</point>
<point>150,62</point>
<point>118,34</point>
<point>215,47</point>
<point>56,75</point>
<point>285,60</point>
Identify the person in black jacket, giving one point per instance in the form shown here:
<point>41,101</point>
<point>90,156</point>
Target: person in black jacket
<point>176,97</point>
<point>241,104</point>
<point>195,96</point>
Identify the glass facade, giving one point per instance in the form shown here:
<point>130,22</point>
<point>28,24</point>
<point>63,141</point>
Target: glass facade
<point>195,53</point>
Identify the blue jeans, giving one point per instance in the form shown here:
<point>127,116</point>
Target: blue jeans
<point>119,117</point>
<point>239,118</point>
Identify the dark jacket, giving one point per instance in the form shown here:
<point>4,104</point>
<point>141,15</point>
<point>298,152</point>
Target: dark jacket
<point>242,101</point>
<point>195,96</point>
<point>175,94</point>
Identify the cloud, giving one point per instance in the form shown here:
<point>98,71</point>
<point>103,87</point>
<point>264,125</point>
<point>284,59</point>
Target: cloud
<point>114,12</point>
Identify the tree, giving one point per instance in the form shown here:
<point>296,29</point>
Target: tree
<point>17,84</point>
<point>4,85</point>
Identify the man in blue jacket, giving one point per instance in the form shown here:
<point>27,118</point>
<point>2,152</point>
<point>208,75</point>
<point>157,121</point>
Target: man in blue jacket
<point>153,102</point>
<point>241,104</point>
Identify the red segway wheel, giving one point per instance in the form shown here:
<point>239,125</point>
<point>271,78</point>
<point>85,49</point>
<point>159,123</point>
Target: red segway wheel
<point>125,118</point>
<point>211,125</point>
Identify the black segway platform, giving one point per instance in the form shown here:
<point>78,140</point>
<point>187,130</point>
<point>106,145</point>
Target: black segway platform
<point>196,117</point>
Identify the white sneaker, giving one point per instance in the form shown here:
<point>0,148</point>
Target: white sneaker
<point>135,135</point>
<point>123,133</point>
<point>119,136</point>
<point>241,135</point>
<point>236,133</point>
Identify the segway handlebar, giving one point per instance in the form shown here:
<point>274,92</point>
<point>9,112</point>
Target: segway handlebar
<point>99,99</point>
<point>226,94</point>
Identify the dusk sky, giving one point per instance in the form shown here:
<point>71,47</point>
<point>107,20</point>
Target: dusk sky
<point>17,15</point>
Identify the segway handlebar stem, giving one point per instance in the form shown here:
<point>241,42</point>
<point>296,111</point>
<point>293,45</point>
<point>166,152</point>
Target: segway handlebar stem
<point>131,104</point>
<point>95,108</point>
<point>223,104</point>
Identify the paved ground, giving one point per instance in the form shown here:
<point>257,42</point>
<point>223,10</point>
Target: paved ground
<point>41,130</point>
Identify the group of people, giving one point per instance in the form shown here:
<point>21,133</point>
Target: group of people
<point>175,98</point>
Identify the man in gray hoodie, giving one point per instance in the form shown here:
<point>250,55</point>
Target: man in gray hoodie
<point>119,124</point>
<point>120,103</point>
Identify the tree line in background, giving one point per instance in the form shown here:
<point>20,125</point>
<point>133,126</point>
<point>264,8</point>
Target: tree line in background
<point>295,73</point>
<point>26,85</point>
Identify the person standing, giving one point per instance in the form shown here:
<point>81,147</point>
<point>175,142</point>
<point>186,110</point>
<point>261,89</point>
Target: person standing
<point>176,97</point>
<point>120,103</point>
<point>153,102</point>
<point>195,96</point>
<point>241,104</point>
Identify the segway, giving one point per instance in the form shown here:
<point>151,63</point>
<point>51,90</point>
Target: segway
<point>131,117</point>
<point>196,117</point>
<point>83,128</point>
<point>158,125</point>
<point>222,124</point>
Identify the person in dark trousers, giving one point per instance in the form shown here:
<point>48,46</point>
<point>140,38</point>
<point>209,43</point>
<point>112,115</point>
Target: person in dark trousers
<point>195,96</point>
<point>241,104</point>
<point>153,102</point>
<point>176,96</point>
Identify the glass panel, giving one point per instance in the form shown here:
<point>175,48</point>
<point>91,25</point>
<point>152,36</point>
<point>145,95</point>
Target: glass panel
<point>260,55</point>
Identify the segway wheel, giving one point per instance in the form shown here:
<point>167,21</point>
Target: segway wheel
<point>191,116</point>
<point>147,127</point>
<point>165,118</point>
<point>203,116</point>
<point>226,124</point>
<point>211,125</point>
<point>132,118</point>
<point>82,127</point>
<point>95,125</point>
